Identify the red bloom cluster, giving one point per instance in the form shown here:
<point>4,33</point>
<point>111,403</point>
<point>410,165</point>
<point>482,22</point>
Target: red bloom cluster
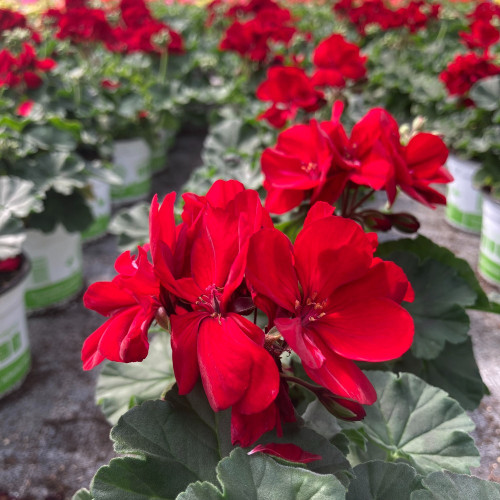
<point>337,60</point>
<point>138,31</point>
<point>314,162</point>
<point>141,32</point>
<point>482,34</point>
<point>289,89</point>
<point>364,13</point>
<point>326,297</point>
<point>25,69</point>
<point>10,20</point>
<point>81,24</point>
<point>251,38</point>
<point>465,70</point>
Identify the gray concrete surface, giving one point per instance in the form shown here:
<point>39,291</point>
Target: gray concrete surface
<point>53,438</point>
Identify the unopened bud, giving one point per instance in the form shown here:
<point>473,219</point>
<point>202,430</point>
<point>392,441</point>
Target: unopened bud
<point>375,220</point>
<point>341,408</point>
<point>405,222</point>
<point>162,318</point>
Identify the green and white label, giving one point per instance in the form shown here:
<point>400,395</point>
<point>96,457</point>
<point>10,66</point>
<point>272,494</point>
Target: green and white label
<point>464,202</point>
<point>489,251</point>
<point>14,340</point>
<point>131,160</point>
<point>100,205</point>
<point>56,267</point>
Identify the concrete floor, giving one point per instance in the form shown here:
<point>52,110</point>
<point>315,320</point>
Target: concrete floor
<point>53,438</point>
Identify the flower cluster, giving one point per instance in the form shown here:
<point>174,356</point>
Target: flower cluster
<point>326,297</point>
<point>10,20</point>
<point>289,88</point>
<point>465,70</point>
<point>363,14</point>
<point>23,70</point>
<point>252,38</point>
<point>315,161</point>
<point>137,31</point>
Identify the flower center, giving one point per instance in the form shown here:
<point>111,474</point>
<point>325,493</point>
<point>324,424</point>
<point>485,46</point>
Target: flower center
<point>310,167</point>
<point>210,300</point>
<point>310,310</point>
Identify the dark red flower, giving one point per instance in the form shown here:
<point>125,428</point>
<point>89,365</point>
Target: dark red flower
<point>11,264</point>
<point>130,301</point>
<point>482,35</point>
<point>465,70</point>
<point>289,89</point>
<point>337,60</point>
<point>333,315</point>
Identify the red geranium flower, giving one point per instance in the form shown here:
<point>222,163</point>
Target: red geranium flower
<point>130,301</point>
<point>337,60</point>
<point>482,36</point>
<point>465,70</point>
<point>336,303</point>
<point>289,89</point>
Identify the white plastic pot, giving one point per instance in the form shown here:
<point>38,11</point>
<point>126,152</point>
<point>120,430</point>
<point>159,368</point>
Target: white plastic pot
<point>15,354</point>
<point>489,250</point>
<point>159,151</point>
<point>100,205</point>
<point>131,161</point>
<point>464,201</point>
<point>56,267</point>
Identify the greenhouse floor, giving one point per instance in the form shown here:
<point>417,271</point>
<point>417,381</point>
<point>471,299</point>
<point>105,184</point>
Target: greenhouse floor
<point>53,437</point>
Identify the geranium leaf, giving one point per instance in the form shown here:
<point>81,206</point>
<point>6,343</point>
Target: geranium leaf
<point>17,197</point>
<point>160,430</point>
<point>259,477</point>
<point>486,93</point>
<point>50,138</point>
<point>131,225</point>
<point>135,479</point>
<point>417,423</point>
<point>445,485</point>
<point>378,480</point>
<point>455,370</point>
<point>120,384</point>
<point>438,313</point>
<point>82,494</point>
<point>424,248</point>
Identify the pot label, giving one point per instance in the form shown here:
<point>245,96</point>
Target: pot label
<point>489,251</point>
<point>15,359</point>
<point>463,206</point>
<point>131,162</point>
<point>56,267</point>
<point>100,205</point>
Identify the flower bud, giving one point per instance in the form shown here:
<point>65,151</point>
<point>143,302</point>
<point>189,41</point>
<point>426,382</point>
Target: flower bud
<point>375,220</point>
<point>341,408</point>
<point>405,222</point>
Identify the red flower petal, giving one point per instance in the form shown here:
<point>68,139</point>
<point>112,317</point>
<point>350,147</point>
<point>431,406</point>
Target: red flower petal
<point>329,253</point>
<point>106,298</point>
<point>184,338</point>
<point>234,368</point>
<point>318,211</point>
<point>270,268</point>
<point>373,329</point>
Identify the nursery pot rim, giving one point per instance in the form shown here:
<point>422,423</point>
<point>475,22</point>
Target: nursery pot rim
<point>19,275</point>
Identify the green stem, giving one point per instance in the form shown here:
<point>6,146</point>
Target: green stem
<point>163,67</point>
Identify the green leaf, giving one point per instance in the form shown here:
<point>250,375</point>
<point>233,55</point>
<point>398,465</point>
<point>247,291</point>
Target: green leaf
<point>50,138</point>
<point>122,385</point>
<point>378,480</point>
<point>417,423</point>
<point>455,371</point>
<point>16,197</point>
<point>82,494</point>
<point>486,93</point>
<point>445,485</point>
<point>437,310</point>
<point>158,430</point>
<point>71,211</point>
<point>131,225</point>
<point>133,479</point>
<point>259,477</point>
<point>425,248</point>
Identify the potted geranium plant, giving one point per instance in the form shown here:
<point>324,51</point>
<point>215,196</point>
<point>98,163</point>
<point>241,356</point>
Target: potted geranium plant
<point>16,201</point>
